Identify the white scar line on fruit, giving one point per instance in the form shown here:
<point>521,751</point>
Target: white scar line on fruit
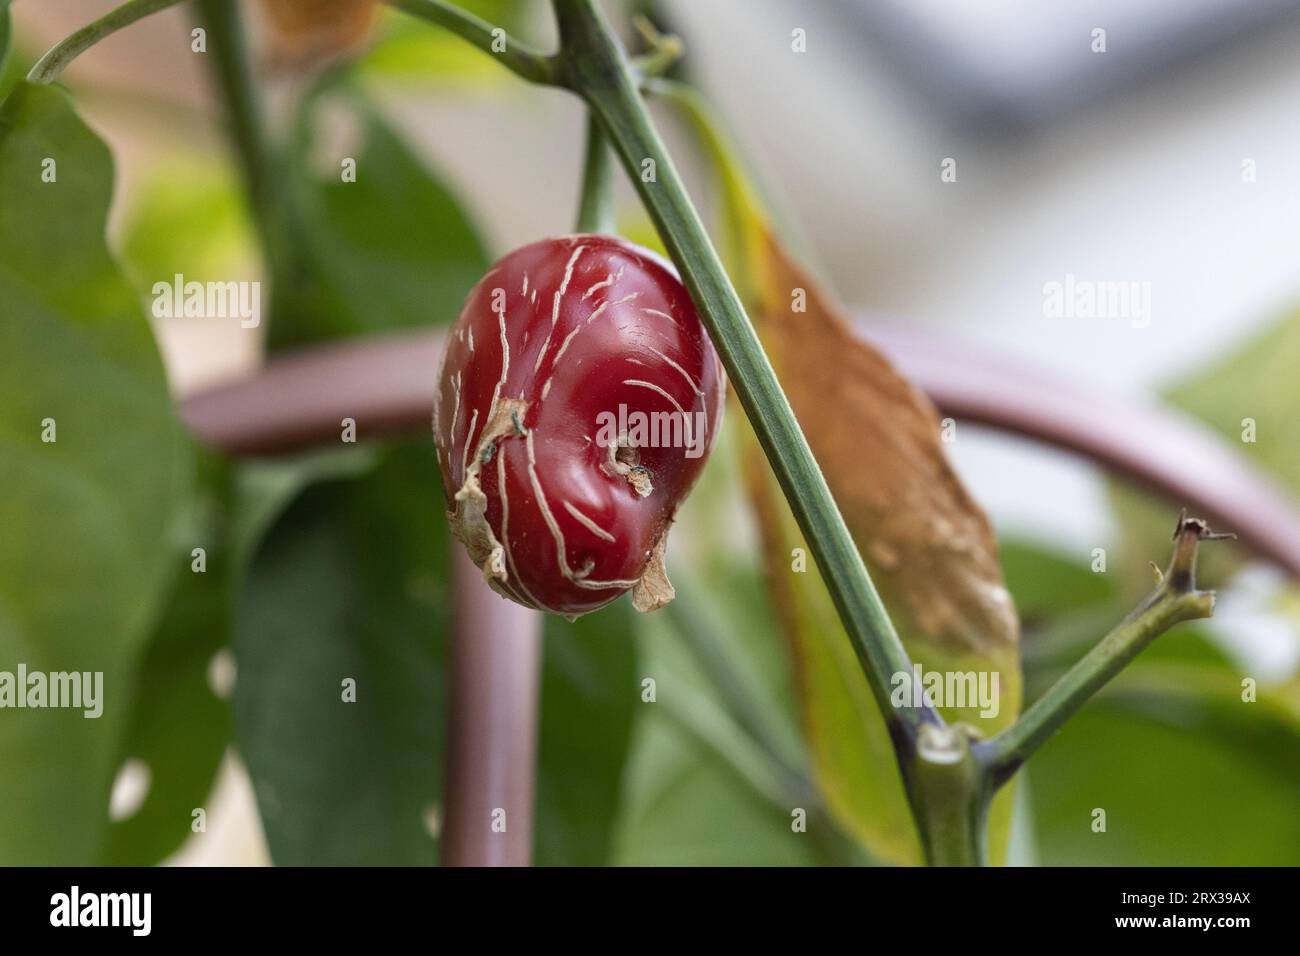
<point>617,302</point>
<point>464,451</point>
<point>546,386</point>
<point>685,374</point>
<point>599,310</point>
<point>471,340</point>
<point>686,419</point>
<point>653,387</point>
<point>587,523</point>
<point>560,550</point>
<point>505,537</point>
<point>609,280</point>
<point>662,315</point>
<point>455,412</point>
<point>555,308</point>
<point>524,290</point>
<point>505,365</point>
<point>511,574</point>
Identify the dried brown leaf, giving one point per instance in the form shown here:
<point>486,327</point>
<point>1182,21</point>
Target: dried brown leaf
<point>878,440</point>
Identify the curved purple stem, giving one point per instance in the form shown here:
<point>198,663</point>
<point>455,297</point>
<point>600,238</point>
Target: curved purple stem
<point>386,383</point>
<point>1152,445</point>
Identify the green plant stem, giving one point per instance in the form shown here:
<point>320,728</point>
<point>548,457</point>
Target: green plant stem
<point>259,162</point>
<point>663,53</point>
<point>1175,599</point>
<point>946,787</point>
<point>48,67</point>
<point>532,65</point>
<point>593,64</point>
<point>596,204</point>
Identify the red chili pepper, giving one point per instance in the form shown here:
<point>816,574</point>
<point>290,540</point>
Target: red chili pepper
<point>578,400</point>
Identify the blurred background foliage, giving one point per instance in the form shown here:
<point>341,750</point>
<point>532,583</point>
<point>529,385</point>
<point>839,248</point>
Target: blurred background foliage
<point>334,563</point>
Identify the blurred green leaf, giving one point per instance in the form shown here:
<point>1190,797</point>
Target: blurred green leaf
<point>1249,397</point>
<point>589,698</point>
<point>91,520</point>
<point>717,772</point>
<point>265,487</point>
<point>1257,382</point>
<point>689,798</point>
<point>349,583</point>
<point>1187,773</point>
<point>1046,583</point>
<point>392,250</point>
<point>189,217</point>
<point>412,51</point>
<point>852,753</point>
<point>181,728</point>
<point>1169,749</point>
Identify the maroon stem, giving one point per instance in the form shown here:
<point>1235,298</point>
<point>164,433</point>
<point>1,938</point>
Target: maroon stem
<point>385,383</point>
<point>1152,445</point>
<point>494,668</point>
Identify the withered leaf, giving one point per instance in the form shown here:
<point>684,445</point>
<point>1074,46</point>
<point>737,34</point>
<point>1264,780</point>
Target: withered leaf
<point>878,440</point>
<point>929,547</point>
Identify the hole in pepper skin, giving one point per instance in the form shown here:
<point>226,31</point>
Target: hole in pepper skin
<point>625,460</point>
<point>627,455</point>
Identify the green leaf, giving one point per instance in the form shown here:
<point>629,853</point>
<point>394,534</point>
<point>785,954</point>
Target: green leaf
<point>1046,583</point>
<point>408,51</point>
<point>693,794</point>
<point>703,788</point>
<point>688,809</point>
<point>392,250</point>
<point>1168,750</point>
<point>351,581</point>
<point>1249,397</point>
<point>589,698</point>
<point>188,216</point>
<point>1257,382</point>
<point>1187,773</point>
<point>348,584</point>
<point>717,771</point>
<point>89,519</point>
<point>181,728</point>
<point>852,754</point>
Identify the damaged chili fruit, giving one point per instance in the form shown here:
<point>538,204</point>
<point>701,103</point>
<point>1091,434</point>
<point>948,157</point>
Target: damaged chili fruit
<point>578,400</point>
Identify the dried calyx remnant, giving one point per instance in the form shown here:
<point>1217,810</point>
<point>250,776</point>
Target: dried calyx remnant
<point>563,353</point>
<point>1188,534</point>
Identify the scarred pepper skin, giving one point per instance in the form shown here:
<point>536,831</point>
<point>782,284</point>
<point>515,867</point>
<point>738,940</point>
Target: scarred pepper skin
<point>578,399</point>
